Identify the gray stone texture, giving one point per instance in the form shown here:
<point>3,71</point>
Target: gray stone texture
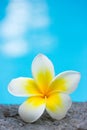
<point>76,119</point>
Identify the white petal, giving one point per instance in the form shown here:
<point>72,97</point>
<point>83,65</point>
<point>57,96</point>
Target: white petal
<point>65,82</point>
<point>43,71</point>
<point>23,87</point>
<point>58,105</point>
<point>32,109</point>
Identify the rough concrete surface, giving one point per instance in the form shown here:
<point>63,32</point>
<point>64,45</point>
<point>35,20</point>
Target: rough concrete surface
<point>76,119</point>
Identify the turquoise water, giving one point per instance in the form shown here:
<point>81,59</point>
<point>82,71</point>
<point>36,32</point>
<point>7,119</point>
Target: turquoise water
<point>57,29</point>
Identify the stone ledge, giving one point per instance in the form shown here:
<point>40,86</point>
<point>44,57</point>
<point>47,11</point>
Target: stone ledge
<point>76,119</point>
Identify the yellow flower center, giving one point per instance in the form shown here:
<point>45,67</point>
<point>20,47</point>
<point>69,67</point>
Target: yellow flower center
<point>46,93</point>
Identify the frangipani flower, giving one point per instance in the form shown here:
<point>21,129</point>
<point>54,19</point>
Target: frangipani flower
<point>45,91</point>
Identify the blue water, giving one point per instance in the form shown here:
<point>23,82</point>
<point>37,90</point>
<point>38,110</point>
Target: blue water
<point>62,37</point>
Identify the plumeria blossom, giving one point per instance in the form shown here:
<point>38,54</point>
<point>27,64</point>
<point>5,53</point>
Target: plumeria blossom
<point>45,90</point>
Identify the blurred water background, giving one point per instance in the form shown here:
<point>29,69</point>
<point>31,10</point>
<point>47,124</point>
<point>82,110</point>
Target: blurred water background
<point>56,28</point>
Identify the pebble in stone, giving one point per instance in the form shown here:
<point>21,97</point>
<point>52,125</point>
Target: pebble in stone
<point>82,125</point>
